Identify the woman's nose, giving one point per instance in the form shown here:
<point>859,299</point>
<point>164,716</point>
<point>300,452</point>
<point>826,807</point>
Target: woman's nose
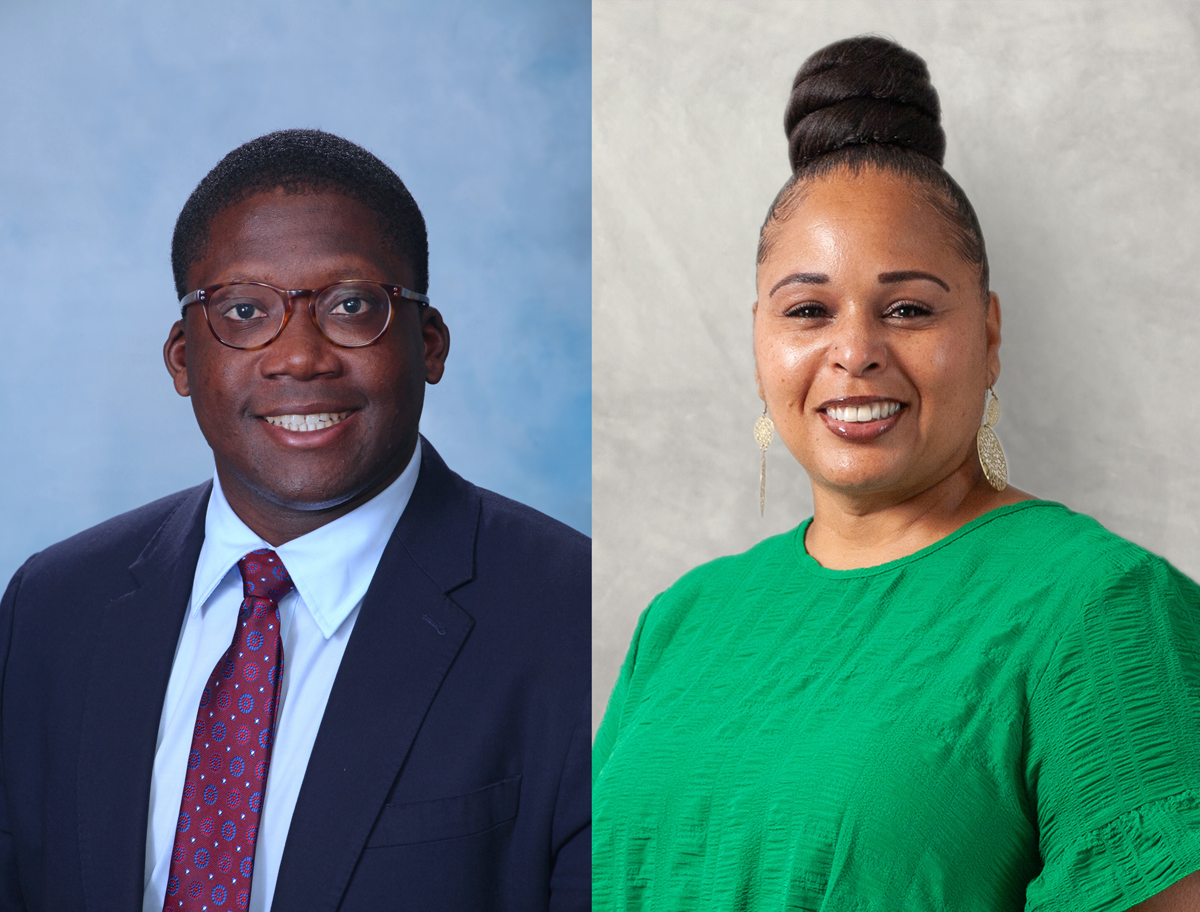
<point>859,345</point>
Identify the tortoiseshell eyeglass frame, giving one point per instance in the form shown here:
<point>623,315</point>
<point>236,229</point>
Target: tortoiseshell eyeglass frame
<point>203,296</point>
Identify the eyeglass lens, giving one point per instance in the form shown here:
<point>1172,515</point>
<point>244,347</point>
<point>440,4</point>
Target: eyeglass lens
<point>349,313</point>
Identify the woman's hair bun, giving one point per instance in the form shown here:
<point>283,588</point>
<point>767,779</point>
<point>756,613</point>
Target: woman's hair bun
<point>858,91</point>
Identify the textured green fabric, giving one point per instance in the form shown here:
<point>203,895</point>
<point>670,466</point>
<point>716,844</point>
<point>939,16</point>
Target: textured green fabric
<point>1008,719</point>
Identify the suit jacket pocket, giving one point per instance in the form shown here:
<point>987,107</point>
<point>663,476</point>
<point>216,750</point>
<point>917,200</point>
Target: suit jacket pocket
<point>447,818</point>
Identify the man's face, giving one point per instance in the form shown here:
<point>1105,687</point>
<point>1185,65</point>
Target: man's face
<point>270,472</point>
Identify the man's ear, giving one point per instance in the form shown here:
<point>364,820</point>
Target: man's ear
<point>435,336</point>
<point>175,357</point>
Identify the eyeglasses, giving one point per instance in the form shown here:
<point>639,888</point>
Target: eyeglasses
<point>251,315</point>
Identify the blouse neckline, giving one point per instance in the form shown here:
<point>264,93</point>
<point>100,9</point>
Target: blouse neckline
<point>809,564</point>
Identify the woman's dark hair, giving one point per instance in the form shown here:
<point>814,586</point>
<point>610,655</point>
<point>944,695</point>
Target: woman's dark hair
<point>868,102</point>
<point>303,161</point>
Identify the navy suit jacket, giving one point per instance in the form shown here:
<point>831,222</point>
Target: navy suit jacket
<point>451,769</point>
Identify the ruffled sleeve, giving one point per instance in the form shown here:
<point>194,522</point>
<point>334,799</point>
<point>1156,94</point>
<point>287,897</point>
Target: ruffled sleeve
<point>1113,745</point>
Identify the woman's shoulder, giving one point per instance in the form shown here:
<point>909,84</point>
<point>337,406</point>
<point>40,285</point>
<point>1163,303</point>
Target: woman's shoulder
<point>728,573</point>
<point>1041,536</point>
<point>1072,576</point>
<point>720,585</point>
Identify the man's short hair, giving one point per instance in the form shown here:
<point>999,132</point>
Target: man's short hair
<point>303,161</point>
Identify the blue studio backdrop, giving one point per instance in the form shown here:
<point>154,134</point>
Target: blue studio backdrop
<point>112,113</point>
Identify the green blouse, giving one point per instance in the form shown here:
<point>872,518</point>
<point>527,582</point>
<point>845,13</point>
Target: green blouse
<point>1007,719</point>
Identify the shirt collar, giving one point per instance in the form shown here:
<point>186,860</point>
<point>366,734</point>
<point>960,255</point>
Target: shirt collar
<point>331,566</point>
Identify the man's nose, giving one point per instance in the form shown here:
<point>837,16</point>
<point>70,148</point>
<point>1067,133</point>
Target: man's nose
<point>300,351</point>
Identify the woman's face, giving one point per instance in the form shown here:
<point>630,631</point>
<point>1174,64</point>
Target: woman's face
<point>873,347</point>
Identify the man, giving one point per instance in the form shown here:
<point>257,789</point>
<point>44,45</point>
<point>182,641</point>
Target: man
<point>336,677</point>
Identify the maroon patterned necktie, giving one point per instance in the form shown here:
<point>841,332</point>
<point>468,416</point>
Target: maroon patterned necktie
<point>212,861</point>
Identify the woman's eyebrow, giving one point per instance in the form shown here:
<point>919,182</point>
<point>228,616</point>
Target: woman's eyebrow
<point>802,278</point>
<point>905,275</point>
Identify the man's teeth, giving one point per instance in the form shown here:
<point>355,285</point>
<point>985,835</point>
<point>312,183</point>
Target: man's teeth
<point>306,422</point>
<point>873,412</point>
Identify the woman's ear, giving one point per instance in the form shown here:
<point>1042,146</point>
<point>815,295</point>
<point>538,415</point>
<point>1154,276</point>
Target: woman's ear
<point>757,378</point>
<point>993,338</point>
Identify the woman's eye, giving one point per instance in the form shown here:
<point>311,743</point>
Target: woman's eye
<point>809,310</point>
<point>907,310</point>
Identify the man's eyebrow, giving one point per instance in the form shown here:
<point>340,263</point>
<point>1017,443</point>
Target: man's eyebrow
<point>801,278</point>
<point>905,275</point>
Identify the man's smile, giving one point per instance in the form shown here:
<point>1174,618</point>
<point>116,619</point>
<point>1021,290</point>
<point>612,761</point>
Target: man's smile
<point>310,422</point>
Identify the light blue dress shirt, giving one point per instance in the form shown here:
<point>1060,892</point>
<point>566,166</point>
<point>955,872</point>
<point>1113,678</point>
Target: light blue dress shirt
<point>332,567</point>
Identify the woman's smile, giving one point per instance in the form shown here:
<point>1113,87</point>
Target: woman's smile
<point>861,418</point>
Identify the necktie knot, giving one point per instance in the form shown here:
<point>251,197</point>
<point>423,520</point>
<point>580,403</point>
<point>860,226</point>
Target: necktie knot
<point>264,576</point>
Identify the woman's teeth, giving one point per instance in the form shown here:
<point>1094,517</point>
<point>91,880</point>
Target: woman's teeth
<point>306,422</point>
<point>873,412</point>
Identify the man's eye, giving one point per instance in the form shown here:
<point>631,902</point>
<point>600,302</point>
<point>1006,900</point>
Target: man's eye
<point>350,306</point>
<point>357,306</point>
<point>241,311</point>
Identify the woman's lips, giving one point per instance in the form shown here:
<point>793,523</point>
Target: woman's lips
<point>862,413</point>
<point>859,419</point>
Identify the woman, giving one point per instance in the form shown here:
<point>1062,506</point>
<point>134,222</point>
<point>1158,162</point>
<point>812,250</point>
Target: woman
<point>938,693</point>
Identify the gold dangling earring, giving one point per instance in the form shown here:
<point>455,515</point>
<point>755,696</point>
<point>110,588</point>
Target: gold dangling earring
<point>764,433</point>
<point>991,455</point>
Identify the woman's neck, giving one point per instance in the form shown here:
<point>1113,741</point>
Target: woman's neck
<point>850,531</point>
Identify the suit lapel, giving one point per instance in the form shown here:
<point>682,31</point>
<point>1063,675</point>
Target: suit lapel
<point>407,636</point>
<point>131,665</point>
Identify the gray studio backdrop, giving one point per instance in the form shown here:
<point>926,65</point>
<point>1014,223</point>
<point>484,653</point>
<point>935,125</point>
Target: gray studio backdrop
<point>113,111</point>
<point>1075,129</point>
